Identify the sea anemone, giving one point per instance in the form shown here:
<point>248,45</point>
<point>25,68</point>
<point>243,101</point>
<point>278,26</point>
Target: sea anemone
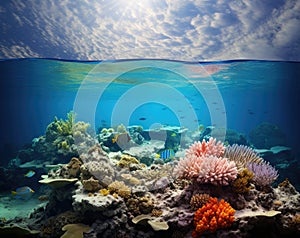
<point>242,155</point>
<point>264,173</point>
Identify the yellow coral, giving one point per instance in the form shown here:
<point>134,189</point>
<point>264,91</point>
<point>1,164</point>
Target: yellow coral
<point>104,131</point>
<point>120,188</point>
<point>126,160</point>
<point>242,183</point>
<point>104,192</point>
<point>128,178</point>
<point>90,185</point>
<point>110,130</point>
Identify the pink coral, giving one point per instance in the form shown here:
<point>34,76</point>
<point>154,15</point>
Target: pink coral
<point>188,167</point>
<point>217,171</point>
<point>204,163</point>
<point>211,147</point>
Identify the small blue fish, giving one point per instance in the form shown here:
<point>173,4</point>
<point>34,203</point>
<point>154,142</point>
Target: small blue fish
<point>29,174</point>
<point>23,193</point>
<point>166,154</point>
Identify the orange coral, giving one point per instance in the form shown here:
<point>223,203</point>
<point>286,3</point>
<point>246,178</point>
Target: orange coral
<point>212,216</point>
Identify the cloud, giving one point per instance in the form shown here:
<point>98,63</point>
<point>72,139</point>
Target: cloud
<point>173,29</point>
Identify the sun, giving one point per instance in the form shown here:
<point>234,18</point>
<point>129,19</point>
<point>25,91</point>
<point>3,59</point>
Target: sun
<point>131,9</point>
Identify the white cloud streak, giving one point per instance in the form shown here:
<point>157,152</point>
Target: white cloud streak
<point>172,29</point>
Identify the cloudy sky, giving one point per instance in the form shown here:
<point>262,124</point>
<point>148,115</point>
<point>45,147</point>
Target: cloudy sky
<point>193,30</point>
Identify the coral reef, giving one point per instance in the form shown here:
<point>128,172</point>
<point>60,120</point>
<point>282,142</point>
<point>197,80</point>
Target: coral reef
<point>213,190</point>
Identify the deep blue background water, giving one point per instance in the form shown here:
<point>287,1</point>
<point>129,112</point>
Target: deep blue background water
<point>241,94</point>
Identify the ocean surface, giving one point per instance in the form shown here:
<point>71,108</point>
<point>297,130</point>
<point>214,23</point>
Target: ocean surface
<point>237,95</point>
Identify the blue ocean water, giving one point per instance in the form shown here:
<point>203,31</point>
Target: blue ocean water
<point>236,95</point>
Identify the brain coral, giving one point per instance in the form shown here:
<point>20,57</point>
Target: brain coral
<point>212,216</point>
<point>211,147</point>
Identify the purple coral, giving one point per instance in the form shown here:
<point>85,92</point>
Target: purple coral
<point>264,173</point>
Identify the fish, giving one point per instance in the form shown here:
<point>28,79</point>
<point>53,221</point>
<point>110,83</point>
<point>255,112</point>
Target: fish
<point>121,139</point>
<point>166,154</point>
<point>22,193</point>
<point>29,174</point>
<point>201,127</point>
<point>173,134</point>
<point>142,118</point>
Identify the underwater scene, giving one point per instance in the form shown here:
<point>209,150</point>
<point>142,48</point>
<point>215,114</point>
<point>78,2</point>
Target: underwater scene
<point>149,148</point>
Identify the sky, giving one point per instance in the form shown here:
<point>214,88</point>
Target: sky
<point>196,30</point>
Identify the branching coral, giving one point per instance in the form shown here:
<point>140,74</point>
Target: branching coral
<point>264,174</point>
<point>212,216</point>
<point>242,183</point>
<point>217,171</point>
<point>188,167</point>
<point>211,147</point>
<point>242,155</point>
<point>203,164</point>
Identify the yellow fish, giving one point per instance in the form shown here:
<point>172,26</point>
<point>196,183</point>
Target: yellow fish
<point>121,139</point>
<point>173,134</point>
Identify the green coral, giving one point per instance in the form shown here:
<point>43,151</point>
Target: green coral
<point>64,145</point>
<point>60,127</point>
